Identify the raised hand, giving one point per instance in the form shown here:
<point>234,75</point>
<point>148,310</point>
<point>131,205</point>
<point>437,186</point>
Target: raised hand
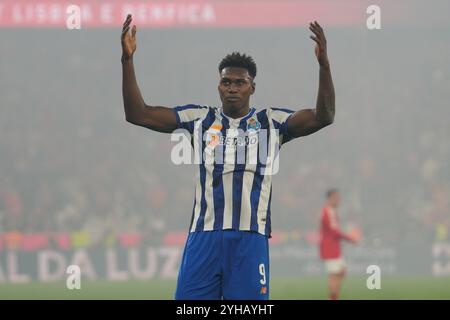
<point>128,40</point>
<point>321,43</point>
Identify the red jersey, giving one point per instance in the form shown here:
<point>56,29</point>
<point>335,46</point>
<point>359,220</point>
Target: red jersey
<point>330,234</point>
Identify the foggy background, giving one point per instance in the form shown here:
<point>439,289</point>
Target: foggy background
<point>71,165</point>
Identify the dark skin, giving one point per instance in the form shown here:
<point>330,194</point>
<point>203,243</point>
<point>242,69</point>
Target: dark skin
<point>157,118</point>
<point>235,88</point>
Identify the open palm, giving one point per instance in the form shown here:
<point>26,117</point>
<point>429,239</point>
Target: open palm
<point>128,39</point>
<point>321,43</point>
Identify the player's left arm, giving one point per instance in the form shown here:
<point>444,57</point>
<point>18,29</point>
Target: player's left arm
<point>307,121</point>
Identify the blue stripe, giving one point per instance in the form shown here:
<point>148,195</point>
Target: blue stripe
<point>283,129</point>
<point>206,123</point>
<point>177,117</point>
<point>276,124</point>
<point>189,126</point>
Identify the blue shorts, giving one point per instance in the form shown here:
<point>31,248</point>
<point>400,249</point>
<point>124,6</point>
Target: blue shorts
<point>224,264</point>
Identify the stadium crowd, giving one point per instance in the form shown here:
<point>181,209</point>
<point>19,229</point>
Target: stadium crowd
<point>71,165</point>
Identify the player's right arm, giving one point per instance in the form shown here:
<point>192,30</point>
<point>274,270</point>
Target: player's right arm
<point>157,118</point>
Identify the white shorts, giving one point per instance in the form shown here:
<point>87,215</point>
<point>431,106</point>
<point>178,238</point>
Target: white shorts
<point>335,265</point>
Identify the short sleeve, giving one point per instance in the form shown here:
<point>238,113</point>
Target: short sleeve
<point>279,118</point>
<point>187,115</point>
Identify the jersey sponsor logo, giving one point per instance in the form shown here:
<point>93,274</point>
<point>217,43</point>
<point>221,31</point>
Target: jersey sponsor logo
<point>237,141</point>
<point>213,135</point>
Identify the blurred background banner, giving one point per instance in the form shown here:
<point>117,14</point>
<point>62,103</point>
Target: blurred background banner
<point>202,13</point>
<point>205,13</point>
<point>42,257</point>
<point>79,183</point>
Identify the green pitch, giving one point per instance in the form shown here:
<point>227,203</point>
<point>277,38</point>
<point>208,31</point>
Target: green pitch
<point>281,288</point>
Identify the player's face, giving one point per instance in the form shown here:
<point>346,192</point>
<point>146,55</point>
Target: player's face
<point>335,199</point>
<point>235,88</point>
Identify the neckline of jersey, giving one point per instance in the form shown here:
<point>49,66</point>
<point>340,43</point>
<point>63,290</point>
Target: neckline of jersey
<point>238,120</point>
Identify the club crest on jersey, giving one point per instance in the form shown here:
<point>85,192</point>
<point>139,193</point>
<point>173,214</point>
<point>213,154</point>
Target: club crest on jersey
<point>253,125</point>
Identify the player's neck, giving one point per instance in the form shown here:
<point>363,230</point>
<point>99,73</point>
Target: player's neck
<point>236,113</point>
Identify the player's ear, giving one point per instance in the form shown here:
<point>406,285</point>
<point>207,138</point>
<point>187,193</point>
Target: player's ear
<point>253,87</point>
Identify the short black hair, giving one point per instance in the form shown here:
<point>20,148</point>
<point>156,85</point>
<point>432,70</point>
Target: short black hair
<point>330,192</point>
<point>239,60</point>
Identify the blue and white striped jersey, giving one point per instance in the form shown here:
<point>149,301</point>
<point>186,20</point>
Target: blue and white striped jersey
<point>237,159</point>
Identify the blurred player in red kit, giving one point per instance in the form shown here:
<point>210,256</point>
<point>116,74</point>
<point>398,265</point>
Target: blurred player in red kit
<point>330,246</point>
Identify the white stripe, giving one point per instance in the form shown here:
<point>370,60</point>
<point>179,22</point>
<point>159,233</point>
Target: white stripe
<point>191,114</point>
<point>263,203</point>
<point>209,213</point>
<point>267,180</point>
<point>278,115</point>
<point>227,178</point>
